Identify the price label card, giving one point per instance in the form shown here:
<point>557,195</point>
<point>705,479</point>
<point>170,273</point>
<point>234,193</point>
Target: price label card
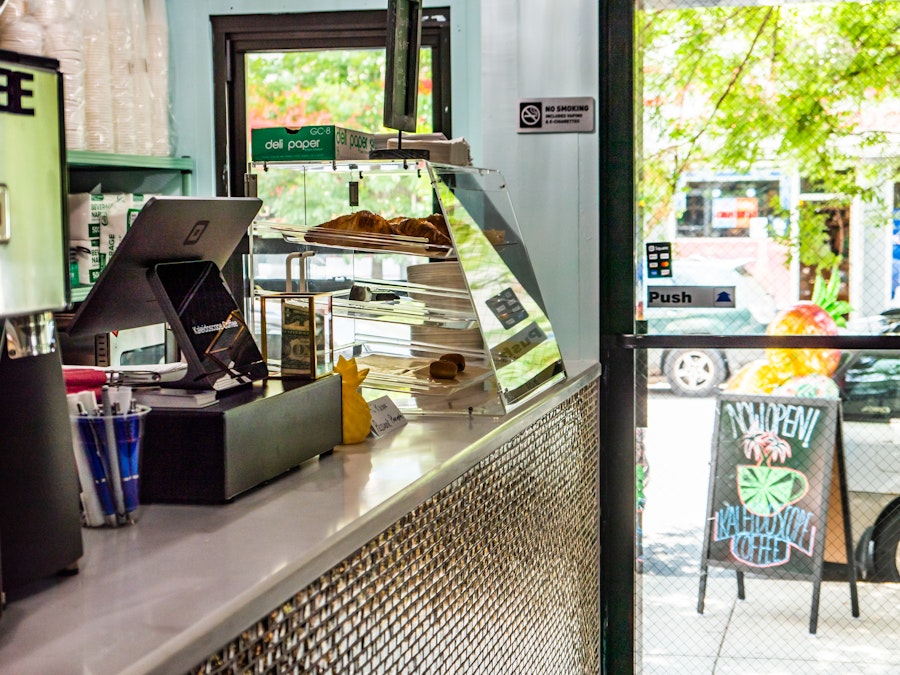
<point>386,416</point>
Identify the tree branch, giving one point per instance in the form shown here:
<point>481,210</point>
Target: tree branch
<point>736,75</point>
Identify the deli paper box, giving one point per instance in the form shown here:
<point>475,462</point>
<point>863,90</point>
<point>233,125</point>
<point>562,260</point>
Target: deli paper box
<point>309,143</point>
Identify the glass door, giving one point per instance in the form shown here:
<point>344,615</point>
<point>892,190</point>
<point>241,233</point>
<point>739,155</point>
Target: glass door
<point>765,229</point>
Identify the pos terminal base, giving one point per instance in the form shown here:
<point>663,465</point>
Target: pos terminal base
<point>249,436</point>
<point>166,269</point>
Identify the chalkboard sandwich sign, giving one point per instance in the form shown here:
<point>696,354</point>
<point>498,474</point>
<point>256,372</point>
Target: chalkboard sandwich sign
<point>777,503</point>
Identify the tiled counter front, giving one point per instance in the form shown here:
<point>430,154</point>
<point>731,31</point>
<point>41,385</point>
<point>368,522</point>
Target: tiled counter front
<point>496,573</point>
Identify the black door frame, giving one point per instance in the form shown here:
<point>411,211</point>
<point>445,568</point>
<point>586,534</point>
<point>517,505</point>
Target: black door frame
<point>618,148</point>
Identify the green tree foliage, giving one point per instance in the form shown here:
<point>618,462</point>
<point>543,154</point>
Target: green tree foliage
<point>342,87</point>
<point>805,87</point>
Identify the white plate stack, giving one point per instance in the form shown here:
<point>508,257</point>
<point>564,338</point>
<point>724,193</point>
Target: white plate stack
<point>157,32</point>
<point>122,68</point>
<point>98,110</point>
<point>443,275</point>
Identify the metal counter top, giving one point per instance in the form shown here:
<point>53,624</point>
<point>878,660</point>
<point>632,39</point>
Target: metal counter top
<point>162,594</point>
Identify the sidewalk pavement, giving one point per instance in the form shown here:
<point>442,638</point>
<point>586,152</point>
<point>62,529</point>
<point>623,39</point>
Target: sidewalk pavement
<point>768,632</point>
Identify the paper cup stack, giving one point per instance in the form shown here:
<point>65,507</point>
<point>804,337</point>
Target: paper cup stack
<point>20,32</point>
<point>114,59</point>
<point>98,110</point>
<point>13,11</point>
<point>122,67</point>
<point>142,140</point>
<point>157,32</point>
<point>63,41</point>
<point>47,12</point>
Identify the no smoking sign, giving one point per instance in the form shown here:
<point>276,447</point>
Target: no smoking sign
<point>556,115</point>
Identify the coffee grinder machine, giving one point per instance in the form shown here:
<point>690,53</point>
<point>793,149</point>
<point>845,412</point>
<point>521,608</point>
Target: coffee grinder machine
<point>40,522</point>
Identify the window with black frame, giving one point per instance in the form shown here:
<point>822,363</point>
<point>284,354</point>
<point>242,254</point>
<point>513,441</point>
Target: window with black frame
<point>316,68</point>
<point>312,68</point>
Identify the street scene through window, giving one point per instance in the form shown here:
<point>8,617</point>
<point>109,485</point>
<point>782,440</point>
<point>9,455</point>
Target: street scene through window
<point>768,205</point>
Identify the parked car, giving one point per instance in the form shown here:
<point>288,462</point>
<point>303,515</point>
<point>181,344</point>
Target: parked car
<point>700,371</point>
<point>870,393</point>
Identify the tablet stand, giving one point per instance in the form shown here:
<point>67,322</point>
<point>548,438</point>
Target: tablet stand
<point>208,326</point>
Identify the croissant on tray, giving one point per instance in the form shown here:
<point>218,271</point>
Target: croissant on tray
<point>437,219</point>
<point>419,227</point>
<point>433,229</point>
<point>360,221</point>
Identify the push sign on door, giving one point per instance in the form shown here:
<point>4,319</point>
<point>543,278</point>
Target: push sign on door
<point>659,260</point>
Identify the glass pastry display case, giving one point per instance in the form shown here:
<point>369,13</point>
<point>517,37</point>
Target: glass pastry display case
<point>405,265</point>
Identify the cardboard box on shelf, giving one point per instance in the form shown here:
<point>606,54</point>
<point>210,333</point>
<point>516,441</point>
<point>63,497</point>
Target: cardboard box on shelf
<point>97,223</point>
<point>309,144</point>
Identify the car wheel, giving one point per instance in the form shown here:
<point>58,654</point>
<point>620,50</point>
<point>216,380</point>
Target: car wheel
<point>887,547</point>
<point>694,372</point>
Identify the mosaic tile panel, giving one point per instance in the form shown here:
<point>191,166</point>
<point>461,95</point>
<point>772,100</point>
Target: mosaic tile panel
<point>496,573</point>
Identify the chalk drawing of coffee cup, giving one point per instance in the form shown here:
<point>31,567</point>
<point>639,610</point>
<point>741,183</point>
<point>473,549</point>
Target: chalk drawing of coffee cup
<point>767,490</point>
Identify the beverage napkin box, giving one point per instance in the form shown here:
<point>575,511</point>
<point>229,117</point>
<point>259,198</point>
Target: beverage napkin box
<point>97,224</point>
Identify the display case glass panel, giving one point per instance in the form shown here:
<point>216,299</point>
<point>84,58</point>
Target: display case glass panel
<point>421,260</point>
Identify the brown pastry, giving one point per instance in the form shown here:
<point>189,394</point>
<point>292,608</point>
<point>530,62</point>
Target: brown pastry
<point>437,219</point>
<point>368,222</point>
<point>360,221</point>
<point>418,227</point>
<point>442,370</point>
<point>457,359</point>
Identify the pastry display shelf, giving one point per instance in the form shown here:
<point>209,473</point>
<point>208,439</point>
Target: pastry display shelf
<point>478,296</point>
<point>411,374</point>
<point>402,311</point>
<point>408,313</point>
<point>414,305</point>
<point>322,237</point>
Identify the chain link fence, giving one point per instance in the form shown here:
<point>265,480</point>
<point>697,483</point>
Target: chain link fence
<point>768,204</point>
